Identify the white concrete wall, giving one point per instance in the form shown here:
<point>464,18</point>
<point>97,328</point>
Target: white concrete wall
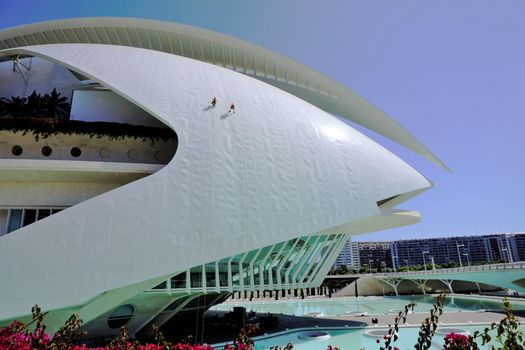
<point>109,107</point>
<point>49,194</point>
<point>43,77</point>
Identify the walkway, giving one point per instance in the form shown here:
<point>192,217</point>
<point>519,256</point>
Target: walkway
<point>510,276</point>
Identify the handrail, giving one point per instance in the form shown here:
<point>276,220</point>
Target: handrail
<point>488,267</point>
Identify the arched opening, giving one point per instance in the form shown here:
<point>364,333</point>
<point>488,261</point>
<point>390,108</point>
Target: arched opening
<point>121,316</point>
<point>520,283</point>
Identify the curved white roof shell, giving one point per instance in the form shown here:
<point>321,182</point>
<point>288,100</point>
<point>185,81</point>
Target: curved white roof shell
<point>222,50</point>
<point>276,169</point>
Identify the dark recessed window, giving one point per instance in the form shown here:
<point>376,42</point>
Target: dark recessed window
<point>17,150</point>
<point>46,151</point>
<point>160,286</point>
<point>132,154</point>
<point>29,216</point>
<point>120,316</point>
<point>76,152</point>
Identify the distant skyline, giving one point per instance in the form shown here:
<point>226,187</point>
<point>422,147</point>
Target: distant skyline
<point>452,73</point>
<point>386,239</point>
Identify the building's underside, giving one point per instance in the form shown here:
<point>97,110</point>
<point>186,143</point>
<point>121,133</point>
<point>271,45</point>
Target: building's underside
<point>127,230</point>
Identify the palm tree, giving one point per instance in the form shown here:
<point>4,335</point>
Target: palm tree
<point>55,105</point>
<point>2,106</point>
<point>14,107</point>
<point>33,106</point>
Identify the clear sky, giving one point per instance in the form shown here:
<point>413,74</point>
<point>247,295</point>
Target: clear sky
<point>451,72</point>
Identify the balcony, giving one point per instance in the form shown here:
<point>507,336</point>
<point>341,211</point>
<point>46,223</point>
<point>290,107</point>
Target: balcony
<point>44,143</point>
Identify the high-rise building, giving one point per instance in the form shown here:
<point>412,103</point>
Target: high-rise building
<point>375,255</point>
<point>349,255</point>
<point>461,250</point>
<point>518,246</point>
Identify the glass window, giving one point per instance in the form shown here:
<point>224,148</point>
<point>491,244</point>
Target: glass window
<point>210,275</point>
<point>29,216</point>
<point>196,277</point>
<point>223,273</point>
<point>179,281</point>
<point>43,213</point>
<point>17,150</point>
<point>235,273</point>
<point>162,285</point>
<point>246,272</point>
<point>15,220</point>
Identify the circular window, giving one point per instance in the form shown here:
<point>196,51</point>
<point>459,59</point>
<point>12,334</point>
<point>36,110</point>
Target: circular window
<point>103,153</point>
<point>132,154</point>
<point>17,150</point>
<point>46,151</point>
<point>120,316</point>
<point>76,152</point>
<point>162,157</point>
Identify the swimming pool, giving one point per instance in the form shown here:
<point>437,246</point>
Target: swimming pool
<point>368,305</point>
<point>357,338</point>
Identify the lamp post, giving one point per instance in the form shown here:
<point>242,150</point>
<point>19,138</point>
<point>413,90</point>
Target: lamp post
<point>408,266</point>
<point>468,259</point>
<point>370,264</point>
<point>459,255</point>
<point>424,262</point>
<point>433,263</point>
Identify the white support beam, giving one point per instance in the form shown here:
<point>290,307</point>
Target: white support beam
<point>262,268</point>
<point>283,262</point>
<point>321,273</point>
<point>318,257</point>
<point>306,260</point>
<point>297,260</point>
<point>217,277</point>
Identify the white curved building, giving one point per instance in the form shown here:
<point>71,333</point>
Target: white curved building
<point>126,229</point>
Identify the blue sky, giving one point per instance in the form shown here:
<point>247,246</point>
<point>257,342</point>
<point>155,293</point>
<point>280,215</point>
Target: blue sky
<point>451,72</point>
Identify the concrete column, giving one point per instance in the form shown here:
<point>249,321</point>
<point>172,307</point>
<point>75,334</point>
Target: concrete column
<point>448,283</point>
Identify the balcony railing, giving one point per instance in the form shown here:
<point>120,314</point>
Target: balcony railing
<point>46,138</point>
<point>475,268</point>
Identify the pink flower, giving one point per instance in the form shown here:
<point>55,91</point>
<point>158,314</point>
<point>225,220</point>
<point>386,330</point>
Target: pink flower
<point>455,341</point>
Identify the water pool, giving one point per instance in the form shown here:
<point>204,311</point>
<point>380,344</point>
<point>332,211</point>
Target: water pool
<point>350,339</point>
<point>368,305</point>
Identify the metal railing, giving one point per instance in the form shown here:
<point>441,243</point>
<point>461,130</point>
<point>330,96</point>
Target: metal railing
<point>475,268</point>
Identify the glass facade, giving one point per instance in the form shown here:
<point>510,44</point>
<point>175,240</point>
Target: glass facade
<point>298,263</point>
<point>17,218</point>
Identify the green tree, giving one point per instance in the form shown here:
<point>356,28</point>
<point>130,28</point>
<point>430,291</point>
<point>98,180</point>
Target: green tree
<point>55,105</point>
<point>14,107</point>
<point>33,105</point>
